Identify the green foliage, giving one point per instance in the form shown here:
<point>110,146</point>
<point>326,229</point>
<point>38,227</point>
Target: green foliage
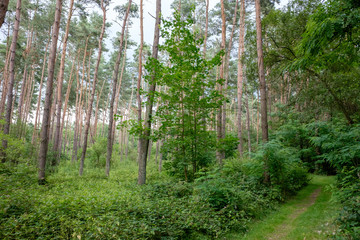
<point>18,151</point>
<point>285,167</point>
<point>97,152</point>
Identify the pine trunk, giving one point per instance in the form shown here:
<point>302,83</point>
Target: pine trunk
<point>49,88</point>
<point>148,115</point>
<point>115,79</point>
<point>12,76</point>
<point>89,109</point>
<point>57,144</point>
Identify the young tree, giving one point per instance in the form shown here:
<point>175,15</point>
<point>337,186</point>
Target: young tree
<point>49,89</point>
<point>188,100</point>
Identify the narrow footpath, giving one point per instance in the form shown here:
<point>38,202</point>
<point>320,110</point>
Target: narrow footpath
<point>309,215</point>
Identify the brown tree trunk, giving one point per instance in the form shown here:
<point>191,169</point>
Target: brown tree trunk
<point>139,76</point>
<point>5,76</point>
<point>115,79</point>
<point>3,9</point>
<point>220,128</point>
<point>12,76</point>
<point>118,88</point>
<point>148,115</point>
<point>68,95</point>
<point>226,67</point>
<point>57,144</point>
<point>89,109</point>
<point>49,88</point>
<point>78,105</point>
<point>35,131</point>
<point>248,122</point>
<point>97,111</point>
<point>206,27</point>
<point>240,76</point>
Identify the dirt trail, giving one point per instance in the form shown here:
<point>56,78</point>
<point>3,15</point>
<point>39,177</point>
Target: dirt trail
<point>282,230</point>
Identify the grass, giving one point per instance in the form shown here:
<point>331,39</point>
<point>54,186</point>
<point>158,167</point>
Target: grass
<point>314,223</point>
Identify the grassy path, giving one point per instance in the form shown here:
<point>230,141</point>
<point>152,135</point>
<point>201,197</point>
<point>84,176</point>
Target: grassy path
<point>309,215</point>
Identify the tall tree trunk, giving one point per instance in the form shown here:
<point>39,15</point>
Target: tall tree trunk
<point>68,90</point>
<point>5,76</point>
<point>139,75</point>
<point>89,109</point>
<point>57,144</point>
<point>49,88</point>
<point>148,115</point>
<point>226,67</point>
<point>248,121</point>
<point>97,111</point>
<point>115,79</point>
<point>118,88</point>
<point>78,104</point>
<point>240,76</point>
<point>220,128</point>
<point>3,9</point>
<point>206,27</point>
<point>12,76</point>
<point>35,131</point>
<point>263,98</point>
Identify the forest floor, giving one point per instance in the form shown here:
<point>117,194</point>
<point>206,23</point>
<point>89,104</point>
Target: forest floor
<point>309,215</point>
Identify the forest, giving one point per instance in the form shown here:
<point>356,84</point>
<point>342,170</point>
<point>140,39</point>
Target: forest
<point>239,120</point>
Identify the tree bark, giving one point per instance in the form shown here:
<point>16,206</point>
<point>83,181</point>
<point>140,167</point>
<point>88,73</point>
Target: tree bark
<point>78,105</point>
<point>60,81</point>
<point>226,67</point>
<point>49,88</point>
<point>138,98</point>
<point>148,115</point>
<point>206,27</point>
<point>263,98</point>
<point>35,131</point>
<point>240,76</point>
<point>89,109</point>
<point>220,128</point>
<point>12,76</point>
<point>115,79</point>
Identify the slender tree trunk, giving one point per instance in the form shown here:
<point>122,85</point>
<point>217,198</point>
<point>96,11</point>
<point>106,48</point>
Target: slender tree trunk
<point>57,144</point>
<point>97,111</point>
<point>139,76</point>
<point>148,115</point>
<point>5,77</point>
<point>89,109</point>
<point>78,105</point>
<point>35,131</point>
<point>226,67</point>
<point>12,76</point>
<point>240,76</point>
<point>68,90</point>
<point>49,88</point>
<point>248,122</point>
<point>118,88</point>
<point>206,27</point>
<point>115,79</point>
<point>220,128</point>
